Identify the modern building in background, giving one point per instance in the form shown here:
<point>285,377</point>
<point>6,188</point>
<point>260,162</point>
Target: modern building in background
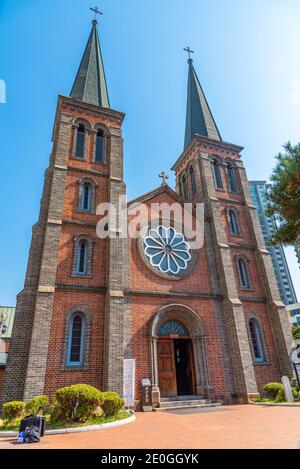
<point>7,315</point>
<point>294,311</point>
<point>268,225</point>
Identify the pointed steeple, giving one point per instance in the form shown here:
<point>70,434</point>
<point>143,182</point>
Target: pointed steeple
<point>90,82</point>
<point>199,119</point>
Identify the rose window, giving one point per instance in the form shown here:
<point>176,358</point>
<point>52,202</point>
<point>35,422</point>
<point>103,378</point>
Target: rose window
<point>167,250</point>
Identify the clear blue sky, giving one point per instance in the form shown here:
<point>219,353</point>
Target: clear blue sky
<point>247,58</point>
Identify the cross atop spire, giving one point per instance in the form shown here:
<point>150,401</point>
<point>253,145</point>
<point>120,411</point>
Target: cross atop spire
<point>90,82</point>
<point>96,11</point>
<point>199,118</point>
<point>189,51</point>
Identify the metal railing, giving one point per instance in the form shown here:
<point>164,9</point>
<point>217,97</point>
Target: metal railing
<point>3,358</point>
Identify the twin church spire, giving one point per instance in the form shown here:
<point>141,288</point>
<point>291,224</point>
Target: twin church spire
<point>90,82</point>
<point>199,118</point>
<point>90,86</point>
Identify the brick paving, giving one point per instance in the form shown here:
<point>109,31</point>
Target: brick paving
<point>235,427</point>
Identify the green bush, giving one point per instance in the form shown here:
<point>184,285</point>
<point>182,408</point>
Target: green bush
<point>296,394</point>
<point>56,413</point>
<point>272,390</point>
<point>281,396</point>
<point>13,410</point>
<point>110,395</point>
<point>36,404</point>
<point>78,402</point>
<point>112,406</point>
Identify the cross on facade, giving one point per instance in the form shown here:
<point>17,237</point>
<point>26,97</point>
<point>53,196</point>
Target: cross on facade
<point>188,50</point>
<point>164,178</point>
<point>96,11</point>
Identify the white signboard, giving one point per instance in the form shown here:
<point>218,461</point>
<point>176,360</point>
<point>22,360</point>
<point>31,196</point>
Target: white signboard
<point>129,381</point>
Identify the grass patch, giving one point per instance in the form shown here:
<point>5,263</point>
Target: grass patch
<point>14,426</point>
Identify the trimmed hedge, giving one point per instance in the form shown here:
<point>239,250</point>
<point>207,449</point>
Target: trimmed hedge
<point>78,402</point>
<point>36,404</point>
<point>12,410</point>
<point>272,390</point>
<point>112,406</point>
<point>110,395</point>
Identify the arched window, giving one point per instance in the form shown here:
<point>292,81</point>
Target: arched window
<point>173,328</point>
<point>82,257</point>
<point>233,222</point>
<point>257,340</point>
<point>99,151</point>
<point>180,187</point>
<point>193,182</point>
<point>217,174</point>
<point>243,273</point>
<point>76,340</point>
<point>231,178</point>
<point>185,188</point>
<point>86,197</point>
<point>80,141</point>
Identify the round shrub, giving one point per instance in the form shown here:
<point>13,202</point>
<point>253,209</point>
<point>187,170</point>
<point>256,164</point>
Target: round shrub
<point>110,395</point>
<point>272,389</point>
<point>13,410</point>
<point>56,413</point>
<point>36,404</point>
<point>280,396</point>
<point>112,406</point>
<point>78,402</point>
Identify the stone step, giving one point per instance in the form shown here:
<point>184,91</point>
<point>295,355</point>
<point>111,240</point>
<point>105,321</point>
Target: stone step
<point>187,397</point>
<point>185,402</point>
<point>189,406</point>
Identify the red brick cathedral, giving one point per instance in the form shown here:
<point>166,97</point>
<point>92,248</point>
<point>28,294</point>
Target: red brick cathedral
<point>206,322</point>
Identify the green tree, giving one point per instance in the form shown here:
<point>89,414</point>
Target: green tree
<point>296,332</point>
<point>284,195</point>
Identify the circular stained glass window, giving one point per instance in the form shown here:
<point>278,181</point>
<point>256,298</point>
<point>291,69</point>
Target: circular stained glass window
<point>167,250</point>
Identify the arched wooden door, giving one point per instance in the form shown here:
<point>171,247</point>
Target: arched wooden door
<point>175,360</point>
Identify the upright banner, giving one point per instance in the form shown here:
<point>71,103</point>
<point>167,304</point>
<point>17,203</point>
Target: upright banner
<point>129,381</point>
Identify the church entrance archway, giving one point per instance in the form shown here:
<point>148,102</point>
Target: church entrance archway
<point>178,352</point>
<point>176,372</point>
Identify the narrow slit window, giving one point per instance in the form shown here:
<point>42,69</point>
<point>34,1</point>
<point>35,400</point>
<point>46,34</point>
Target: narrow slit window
<point>231,179</point>
<point>82,253</point>
<point>193,182</point>
<point>80,142</point>
<point>244,273</point>
<point>217,174</point>
<point>99,155</point>
<point>86,197</point>
<point>233,221</point>
<point>185,188</point>
<point>75,353</point>
<point>257,342</point>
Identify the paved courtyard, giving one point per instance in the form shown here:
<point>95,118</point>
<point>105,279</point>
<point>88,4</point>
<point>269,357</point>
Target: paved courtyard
<point>245,426</point>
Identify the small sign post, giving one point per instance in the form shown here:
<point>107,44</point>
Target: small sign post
<point>146,395</point>
<point>129,381</point>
